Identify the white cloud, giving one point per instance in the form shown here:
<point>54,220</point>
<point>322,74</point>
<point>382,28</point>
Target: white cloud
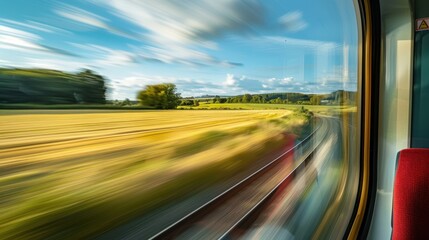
<point>174,32</point>
<point>235,85</point>
<point>12,42</point>
<point>293,21</point>
<point>181,55</point>
<point>4,62</point>
<point>230,80</point>
<point>82,16</point>
<point>32,25</point>
<point>57,64</point>
<point>196,21</point>
<point>27,25</point>
<point>170,41</point>
<point>8,31</point>
<point>270,83</point>
<point>46,27</point>
<point>232,85</point>
<point>305,43</point>
<point>90,19</point>
<point>243,84</point>
<point>176,54</point>
<point>12,38</point>
<point>106,57</point>
<point>118,58</point>
<point>127,87</point>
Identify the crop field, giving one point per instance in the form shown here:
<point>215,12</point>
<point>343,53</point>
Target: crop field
<point>78,172</point>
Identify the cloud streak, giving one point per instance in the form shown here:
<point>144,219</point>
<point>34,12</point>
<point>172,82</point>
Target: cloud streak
<point>177,32</point>
<point>293,21</point>
<point>190,22</point>
<point>173,32</point>
<point>12,38</point>
<point>90,19</point>
<point>182,55</point>
<point>27,25</point>
<point>305,43</point>
<point>107,56</point>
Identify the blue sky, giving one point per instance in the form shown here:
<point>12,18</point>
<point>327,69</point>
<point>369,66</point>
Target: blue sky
<point>223,47</point>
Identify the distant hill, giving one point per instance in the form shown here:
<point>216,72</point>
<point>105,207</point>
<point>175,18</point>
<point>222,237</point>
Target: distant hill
<point>342,96</point>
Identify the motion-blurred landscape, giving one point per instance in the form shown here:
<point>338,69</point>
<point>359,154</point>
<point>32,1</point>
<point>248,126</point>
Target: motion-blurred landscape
<point>77,173</point>
<point>134,119</point>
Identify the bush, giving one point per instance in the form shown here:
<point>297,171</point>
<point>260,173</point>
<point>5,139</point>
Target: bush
<point>161,96</point>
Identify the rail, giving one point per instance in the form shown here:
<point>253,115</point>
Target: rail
<point>167,232</point>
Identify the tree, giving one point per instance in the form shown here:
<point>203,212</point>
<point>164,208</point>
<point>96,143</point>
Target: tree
<point>315,100</point>
<point>161,96</point>
<point>126,102</point>
<point>255,99</point>
<point>246,98</point>
<point>216,99</point>
<point>91,87</point>
<point>186,102</point>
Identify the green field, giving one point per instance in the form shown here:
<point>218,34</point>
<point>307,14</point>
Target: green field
<point>322,109</point>
<point>78,172</point>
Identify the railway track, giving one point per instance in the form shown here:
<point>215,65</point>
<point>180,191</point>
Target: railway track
<point>228,214</point>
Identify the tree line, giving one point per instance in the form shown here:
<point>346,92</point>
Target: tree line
<point>41,86</point>
<point>337,97</point>
<point>276,98</point>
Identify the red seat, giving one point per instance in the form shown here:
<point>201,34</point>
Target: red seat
<point>411,195</point>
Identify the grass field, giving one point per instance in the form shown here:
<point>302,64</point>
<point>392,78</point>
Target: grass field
<point>76,173</point>
<point>321,109</point>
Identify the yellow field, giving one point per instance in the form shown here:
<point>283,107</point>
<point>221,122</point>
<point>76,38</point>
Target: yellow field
<point>79,172</point>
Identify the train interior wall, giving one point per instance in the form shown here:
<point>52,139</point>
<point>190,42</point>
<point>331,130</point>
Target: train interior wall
<point>395,108</point>
<point>404,98</point>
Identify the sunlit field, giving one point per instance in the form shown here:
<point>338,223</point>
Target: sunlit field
<point>76,173</point>
<point>321,109</point>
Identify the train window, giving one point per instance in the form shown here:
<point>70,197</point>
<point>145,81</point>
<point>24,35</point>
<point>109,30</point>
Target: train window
<point>192,119</point>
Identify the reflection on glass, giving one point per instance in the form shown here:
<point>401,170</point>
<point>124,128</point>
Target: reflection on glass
<point>119,118</point>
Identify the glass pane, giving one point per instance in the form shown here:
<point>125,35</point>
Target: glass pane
<point>178,119</point>
<point>420,129</point>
